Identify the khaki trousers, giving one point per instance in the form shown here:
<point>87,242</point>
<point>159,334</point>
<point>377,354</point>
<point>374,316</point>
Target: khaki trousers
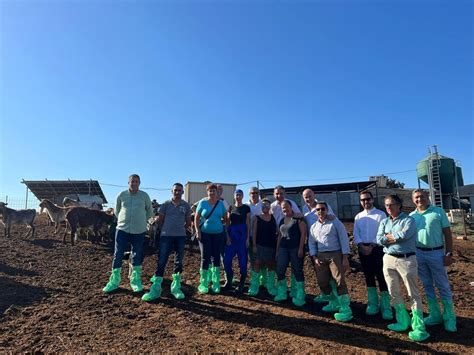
<point>406,270</point>
<point>331,266</point>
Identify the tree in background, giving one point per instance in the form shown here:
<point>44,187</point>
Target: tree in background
<point>394,184</point>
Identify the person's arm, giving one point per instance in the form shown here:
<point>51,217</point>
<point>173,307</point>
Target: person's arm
<point>344,242</point>
<point>148,208</point>
<point>448,242</point>
<point>197,221</point>
<point>278,244</point>
<point>407,231</point>
<point>248,228</point>
<point>254,233</point>
<point>118,205</point>
<point>357,237</point>
<point>381,238</point>
<point>160,220</point>
<point>302,227</point>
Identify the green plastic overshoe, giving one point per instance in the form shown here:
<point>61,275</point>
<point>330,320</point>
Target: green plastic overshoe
<point>449,316</point>
<point>292,286</point>
<point>385,306</point>
<point>114,281</point>
<point>204,281</point>
<point>271,283</point>
<point>434,313</point>
<point>299,299</point>
<point>176,287</point>
<point>402,317</point>
<point>155,289</point>
<point>136,279</point>
<point>254,284</point>
<point>282,294</point>
<point>345,311</point>
<point>419,332</point>
<point>216,280</point>
<point>372,301</point>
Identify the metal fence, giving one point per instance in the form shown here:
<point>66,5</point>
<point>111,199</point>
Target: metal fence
<point>19,203</point>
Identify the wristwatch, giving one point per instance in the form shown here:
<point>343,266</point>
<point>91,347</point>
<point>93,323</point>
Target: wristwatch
<point>449,253</point>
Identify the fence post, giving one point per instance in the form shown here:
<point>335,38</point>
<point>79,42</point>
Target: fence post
<point>26,200</point>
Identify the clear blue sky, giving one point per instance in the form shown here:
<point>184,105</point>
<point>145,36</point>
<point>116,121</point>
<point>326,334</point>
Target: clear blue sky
<point>232,91</point>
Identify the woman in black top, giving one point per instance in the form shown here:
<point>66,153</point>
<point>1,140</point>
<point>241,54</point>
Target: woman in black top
<point>265,234</point>
<point>290,249</point>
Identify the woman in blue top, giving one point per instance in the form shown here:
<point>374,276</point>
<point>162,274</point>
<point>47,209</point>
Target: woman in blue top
<point>210,214</point>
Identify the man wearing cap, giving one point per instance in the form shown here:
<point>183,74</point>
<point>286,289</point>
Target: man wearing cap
<point>434,250</point>
<point>237,240</point>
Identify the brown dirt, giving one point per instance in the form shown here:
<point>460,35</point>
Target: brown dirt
<point>51,300</point>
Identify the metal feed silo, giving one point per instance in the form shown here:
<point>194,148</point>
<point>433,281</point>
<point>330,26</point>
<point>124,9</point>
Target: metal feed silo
<point>443,177</point>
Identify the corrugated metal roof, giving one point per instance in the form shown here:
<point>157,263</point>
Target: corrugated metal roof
<point>345,186</point>
<point>52,189</point>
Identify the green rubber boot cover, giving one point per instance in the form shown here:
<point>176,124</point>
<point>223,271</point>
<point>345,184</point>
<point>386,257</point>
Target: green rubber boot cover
<point>254,284</point>
<point>216,279</point>
<point>155,289</point>
<point>271,283</point>
<point>299,299</point>
<point>176,286</point>
<point>204,281</point>
<point>345,311</point>
<point>292,286</point>
<point>402,317</point>
<point>262,278</point>
<point>385,306</point>
<point>419,332</point>
<point>434,313</point>
<point>282,294</point>
<point>114,281</point>
<point>372,301</point>
<point>136,279</point>
<point>449,317</point>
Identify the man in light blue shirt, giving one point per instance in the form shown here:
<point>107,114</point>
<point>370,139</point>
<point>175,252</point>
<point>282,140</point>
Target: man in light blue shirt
<point>133,209</point>
<point>397,234</point>
<point>434,246</point>
<point>329,248</point>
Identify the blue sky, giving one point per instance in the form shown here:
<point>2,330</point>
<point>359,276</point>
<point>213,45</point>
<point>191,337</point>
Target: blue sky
<point>232,91</point>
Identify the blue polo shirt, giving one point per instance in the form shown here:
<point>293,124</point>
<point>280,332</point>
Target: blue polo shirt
<point>430,224</point>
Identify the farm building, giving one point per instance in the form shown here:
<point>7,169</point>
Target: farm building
<point>195,191</point>
<point>57,190</point>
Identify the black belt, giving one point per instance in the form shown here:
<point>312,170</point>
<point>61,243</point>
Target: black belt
<point>430,249</point>
<point>402,255</point>
<point>369,244</point>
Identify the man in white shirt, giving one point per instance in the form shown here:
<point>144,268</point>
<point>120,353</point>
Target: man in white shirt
<point>366,225</point>
<point>275,207</point>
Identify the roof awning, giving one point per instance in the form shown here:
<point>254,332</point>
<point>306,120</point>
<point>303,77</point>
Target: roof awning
<point>345,186</point>
<point>54,189</point>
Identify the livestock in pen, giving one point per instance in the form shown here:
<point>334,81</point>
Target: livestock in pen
<point>11,216</point>
<point>84,217</point>
<point>56,213</point>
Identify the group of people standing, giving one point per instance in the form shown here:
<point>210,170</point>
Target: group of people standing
<point>275,235</point>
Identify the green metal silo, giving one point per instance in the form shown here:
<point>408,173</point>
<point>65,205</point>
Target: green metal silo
<point>448,172</point>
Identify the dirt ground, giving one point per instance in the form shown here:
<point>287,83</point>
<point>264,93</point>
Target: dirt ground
<point>51,300</point>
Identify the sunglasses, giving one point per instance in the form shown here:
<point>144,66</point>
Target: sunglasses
<point>365,199</point>
<point>320,209</point>
<point>254,193</point>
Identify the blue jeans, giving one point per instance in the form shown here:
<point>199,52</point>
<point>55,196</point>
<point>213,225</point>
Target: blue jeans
<point>432,272</point>
<point>286,256</point>
<point>122,239</point>
<point>210,245</point>
<point>238,238</point>
<point>167,245</point>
